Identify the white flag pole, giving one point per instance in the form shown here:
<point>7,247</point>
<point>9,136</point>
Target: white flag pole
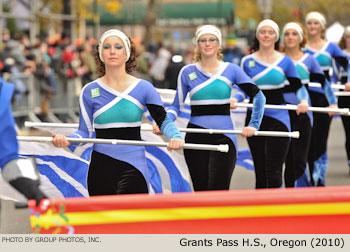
<point>51,125</point>
<point>335,86</point>
<point>294,134</point>
<point>342,93</point>
<point>220,147</point>
<point>149,127</point>
<point>342,111</point>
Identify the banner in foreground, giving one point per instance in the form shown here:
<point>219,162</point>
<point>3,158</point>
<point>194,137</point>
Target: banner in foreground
<point>268,211</point>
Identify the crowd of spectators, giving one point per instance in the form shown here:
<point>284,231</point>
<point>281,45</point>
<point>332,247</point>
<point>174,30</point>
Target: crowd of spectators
<point>48,59</point>
<point>59,59</point>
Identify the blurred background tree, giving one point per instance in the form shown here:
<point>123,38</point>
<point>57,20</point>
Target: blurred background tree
<point>83,9</point>
<point>295,10</point>
<point>246,10</point>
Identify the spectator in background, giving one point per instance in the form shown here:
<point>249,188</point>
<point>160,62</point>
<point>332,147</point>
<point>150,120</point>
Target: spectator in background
<point>67,57</point>
<point>188,55</point>
<point>172,71</point>
<point>12,50</point>
<point>88,65</point>
<point>232,53</point>
<point>158,66</point>
<point>44,75</point>
<point>10,74</point>
<point>5,37</point>
<point>178,60</point>
<point>142,67</point>
<point>30,67</point>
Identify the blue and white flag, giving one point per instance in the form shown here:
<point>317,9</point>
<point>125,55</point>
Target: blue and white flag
<point>64,170</point>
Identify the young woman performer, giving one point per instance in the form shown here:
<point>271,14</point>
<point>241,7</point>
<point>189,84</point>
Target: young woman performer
<point>113,106</point>
<point>324,52</point>
<point>344,101</point>
<point>271,71</point>
<point>309,71</point>
<point>209,82</point>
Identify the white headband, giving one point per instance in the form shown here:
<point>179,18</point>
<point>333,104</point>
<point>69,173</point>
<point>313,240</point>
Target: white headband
<point>294,26</point>
<point>119,34</point>
<point>318,16</point>
<point>208,29</point>
<point>272,24</point>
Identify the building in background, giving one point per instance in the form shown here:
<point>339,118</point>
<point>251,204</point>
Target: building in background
<point>174,21</point>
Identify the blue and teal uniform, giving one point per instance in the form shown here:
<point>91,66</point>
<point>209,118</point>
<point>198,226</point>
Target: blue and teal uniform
<point>118,115</point>
<point>309,71</point>
<point>318,160</point>
<point>269,153</point>
<point>344,102</point>
<point>210,109</point>
<point>8,143</point>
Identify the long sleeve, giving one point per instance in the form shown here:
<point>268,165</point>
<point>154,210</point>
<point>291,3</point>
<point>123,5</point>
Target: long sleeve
<point>165,124</point>
<point>239,94</point>
<point>253,91</point>
<point>340,57</point>
<point>302,93</point>
<point>259,101</point>
<point>85,129</point>
<point>155,106</point>
<point>8,143</point>
<point>180,96</point>
<point>330,93</point>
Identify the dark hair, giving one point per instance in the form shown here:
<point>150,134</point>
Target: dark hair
<point>256,44</point>
<point>130,65</point>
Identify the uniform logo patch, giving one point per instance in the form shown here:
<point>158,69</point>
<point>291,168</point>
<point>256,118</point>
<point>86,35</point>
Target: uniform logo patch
<point>95,92</point>
<point>251,63</point>
<point>192,76</point>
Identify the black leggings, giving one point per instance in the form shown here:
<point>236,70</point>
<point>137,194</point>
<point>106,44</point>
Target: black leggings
<point>109,176</point>
<point>320,131</point>
<point>269,154</point>
<point>344,102</point>
<point>298,149</point>
<point>210,170</point>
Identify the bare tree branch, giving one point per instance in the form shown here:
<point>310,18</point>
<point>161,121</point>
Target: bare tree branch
<point>149,21</point>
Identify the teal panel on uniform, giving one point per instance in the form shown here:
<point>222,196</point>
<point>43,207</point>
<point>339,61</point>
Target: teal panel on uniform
<point>217,90</point>
<point>304,75</point>
<point>123,112</point>
<point>324,60</point>
<point>273,77</point>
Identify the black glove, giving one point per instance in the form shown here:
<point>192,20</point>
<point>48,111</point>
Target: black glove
<point>23,175</point>
<point>29,188</point>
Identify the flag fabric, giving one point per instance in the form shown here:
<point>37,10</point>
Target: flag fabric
<point>64,170</point>
<point>304,180</point>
